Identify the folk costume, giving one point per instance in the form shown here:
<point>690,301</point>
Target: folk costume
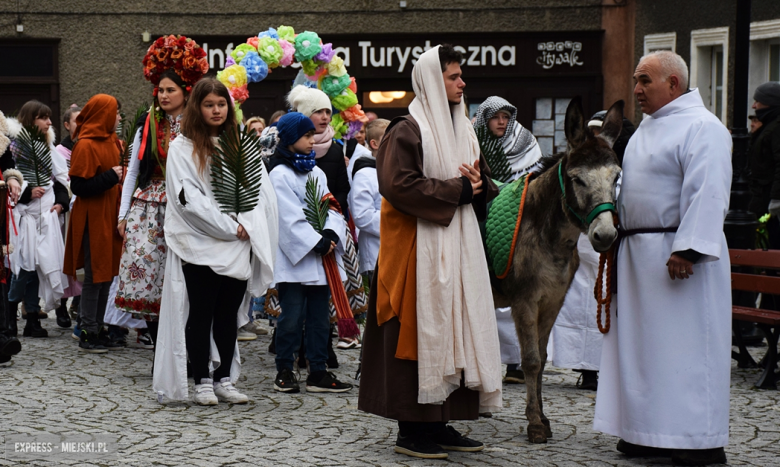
<point>206,261</point>
<point>666,361</point>
<point>144,194</point>
<point>430,350</point>
<point>36,261</point>
<point>92,241</point>
<point>523,155</point>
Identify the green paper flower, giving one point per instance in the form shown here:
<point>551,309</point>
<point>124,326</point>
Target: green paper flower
<point>340,127</point>
<point>270,51</point>
<point>333,85</point>
<point>345,100</point>
<point>307,46</point>
<point>287,33</point>
<point>309,67</point>
<point>240,52</point>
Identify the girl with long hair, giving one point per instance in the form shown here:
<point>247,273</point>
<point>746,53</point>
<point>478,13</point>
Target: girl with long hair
<point>215,260</point>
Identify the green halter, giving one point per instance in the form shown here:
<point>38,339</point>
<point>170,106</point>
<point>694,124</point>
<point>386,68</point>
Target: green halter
<point>595,212</point>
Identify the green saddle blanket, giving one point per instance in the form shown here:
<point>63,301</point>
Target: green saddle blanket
<point>502,225</point>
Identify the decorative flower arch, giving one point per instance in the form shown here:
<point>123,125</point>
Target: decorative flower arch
<point>251,62</point>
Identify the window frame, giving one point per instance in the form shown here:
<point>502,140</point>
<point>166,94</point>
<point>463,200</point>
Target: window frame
<point>709,39</point>
<point>660,41</point>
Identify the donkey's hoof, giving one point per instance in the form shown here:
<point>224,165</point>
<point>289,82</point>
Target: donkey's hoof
<point>537,434</point>
<point>547,430</point>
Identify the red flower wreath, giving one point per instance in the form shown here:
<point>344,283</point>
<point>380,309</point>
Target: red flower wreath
<point>182,54</point>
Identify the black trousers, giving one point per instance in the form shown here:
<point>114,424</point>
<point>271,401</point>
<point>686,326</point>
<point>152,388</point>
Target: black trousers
<point>94,295</point>
<point>214,302</point>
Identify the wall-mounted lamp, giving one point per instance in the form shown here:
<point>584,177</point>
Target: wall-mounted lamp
<point>402,4</point>
<point>19,27</point>
<point>146,36</point>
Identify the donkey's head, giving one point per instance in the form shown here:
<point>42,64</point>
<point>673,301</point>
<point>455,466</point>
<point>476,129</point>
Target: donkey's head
<point>589,173</point>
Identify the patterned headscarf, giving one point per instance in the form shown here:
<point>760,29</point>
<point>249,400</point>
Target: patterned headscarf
<point>517,140</point>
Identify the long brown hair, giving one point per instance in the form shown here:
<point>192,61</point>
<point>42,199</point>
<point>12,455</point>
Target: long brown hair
<point>196,129</point>
<point>31,110</point>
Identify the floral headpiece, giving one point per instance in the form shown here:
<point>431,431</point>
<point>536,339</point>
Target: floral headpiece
<point>253,60</point>
<point>182,54</point>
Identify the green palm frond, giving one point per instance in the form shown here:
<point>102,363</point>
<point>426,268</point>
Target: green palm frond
<point>316,210</point>
<point>129,129</point>
<point>494,154</point>
<point>34,157</point>
<point>236,171</point>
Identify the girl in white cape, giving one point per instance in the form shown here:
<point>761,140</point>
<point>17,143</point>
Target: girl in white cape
<point>215,261</point>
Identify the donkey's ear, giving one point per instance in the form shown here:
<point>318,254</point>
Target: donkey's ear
<point>574,125</point>
<point>613,123</point>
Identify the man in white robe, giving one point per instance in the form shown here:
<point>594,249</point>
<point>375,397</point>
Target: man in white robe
<point>665,367</point>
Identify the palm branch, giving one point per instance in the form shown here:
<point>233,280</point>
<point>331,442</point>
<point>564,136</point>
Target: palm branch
<point>316,210</point>
<point>34,159</point>
<point>495,156</point>
<point>128,132</point>
<point>236,171</point>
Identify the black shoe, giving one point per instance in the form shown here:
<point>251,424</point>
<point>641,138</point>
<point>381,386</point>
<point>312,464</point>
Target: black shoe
<point>5,358</point>
<point>636,450</point>
<point>286,382</point>
<point>419,446</point>
<point>106,341</point>
<point>451,440</point>
<point>588,379</point>
<point>698,456</point>
<point>117,335</point>
<point>34,329</point>
<point>514,377</point>
<point>327,383</point>
<point>63,320</point>
<point>90,343</point>
<point>9,345</point>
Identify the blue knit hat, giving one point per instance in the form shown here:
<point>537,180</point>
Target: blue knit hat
<point>292,127</point>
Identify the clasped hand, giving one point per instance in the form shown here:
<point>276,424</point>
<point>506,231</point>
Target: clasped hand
<point>474,175</point>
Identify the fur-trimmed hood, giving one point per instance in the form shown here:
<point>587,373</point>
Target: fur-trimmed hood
<point>11,127</point>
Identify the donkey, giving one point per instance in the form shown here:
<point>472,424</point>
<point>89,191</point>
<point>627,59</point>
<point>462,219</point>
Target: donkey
<point>573,192</point>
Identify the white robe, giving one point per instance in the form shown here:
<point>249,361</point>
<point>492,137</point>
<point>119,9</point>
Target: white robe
<point>199,233</point>
<point>365,204</point>
<point>666,362</point>
<point>575,335</point>
<point>295,260</point>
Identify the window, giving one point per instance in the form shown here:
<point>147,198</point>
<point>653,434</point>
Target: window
<point>663,41</point>
<point>764,56</point>
<point>548,124</point>
<point>709,68</point>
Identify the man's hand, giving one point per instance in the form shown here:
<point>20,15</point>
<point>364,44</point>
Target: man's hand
<point>241,234</point>
<point>57,208</point>
<point>122,229</point>
<point>474,175</point>
<point>332,247</point>
<point>38,192</point>
<point>15,189</point>
<point>679,267</point>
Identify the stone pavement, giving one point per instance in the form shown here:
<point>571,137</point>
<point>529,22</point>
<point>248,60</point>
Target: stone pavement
<point>51,387</point>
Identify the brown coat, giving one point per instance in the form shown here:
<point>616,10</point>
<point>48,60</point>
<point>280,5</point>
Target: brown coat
<point>389,376</point>
<point>95,152</point>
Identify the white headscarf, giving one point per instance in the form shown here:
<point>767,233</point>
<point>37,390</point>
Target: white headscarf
<point>456,323</point>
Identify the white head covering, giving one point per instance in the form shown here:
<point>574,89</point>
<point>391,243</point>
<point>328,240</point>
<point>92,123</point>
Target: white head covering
<point>456,323</point>
<point>520,146</point>
<point>307,100</point>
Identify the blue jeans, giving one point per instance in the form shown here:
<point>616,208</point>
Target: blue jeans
<point>301,303</point>
<point>24,287</point>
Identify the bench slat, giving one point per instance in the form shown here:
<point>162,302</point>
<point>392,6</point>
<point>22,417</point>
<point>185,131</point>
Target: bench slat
<point>755,315</point>
<point>755,258</point>
<point>755,283</point>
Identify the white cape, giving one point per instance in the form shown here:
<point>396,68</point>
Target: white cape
<point>666,362</point>
<point>199,233</point>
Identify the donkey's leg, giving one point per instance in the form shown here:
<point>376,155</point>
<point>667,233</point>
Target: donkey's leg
<point>545,327</point>
<point>526,317</point>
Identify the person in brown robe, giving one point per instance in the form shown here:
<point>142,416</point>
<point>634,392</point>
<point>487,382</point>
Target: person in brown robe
<point>389,380</point>
<point>93,241</point>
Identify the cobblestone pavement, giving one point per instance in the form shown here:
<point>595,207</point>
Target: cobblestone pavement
<point>51,387</point>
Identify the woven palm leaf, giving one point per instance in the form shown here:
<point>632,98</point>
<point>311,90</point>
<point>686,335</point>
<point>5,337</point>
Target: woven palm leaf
<point>34,158</point>
<point>236,171</point>
<point>316,210</point>
<point>494,154</point>
<point>129,129</point>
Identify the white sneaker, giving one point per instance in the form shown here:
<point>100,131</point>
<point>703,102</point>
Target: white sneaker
<point>204,393</point>
<point>226,392</point>
<point>257,329</point>
<point>245,334</point>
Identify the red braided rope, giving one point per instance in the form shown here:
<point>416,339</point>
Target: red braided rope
<point>603,299</point>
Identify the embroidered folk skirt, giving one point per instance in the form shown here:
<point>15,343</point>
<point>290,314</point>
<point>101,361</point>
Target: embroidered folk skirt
<point>142,268</point>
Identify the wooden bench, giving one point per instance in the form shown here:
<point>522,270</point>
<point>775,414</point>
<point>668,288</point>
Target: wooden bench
<point>753,282</point>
